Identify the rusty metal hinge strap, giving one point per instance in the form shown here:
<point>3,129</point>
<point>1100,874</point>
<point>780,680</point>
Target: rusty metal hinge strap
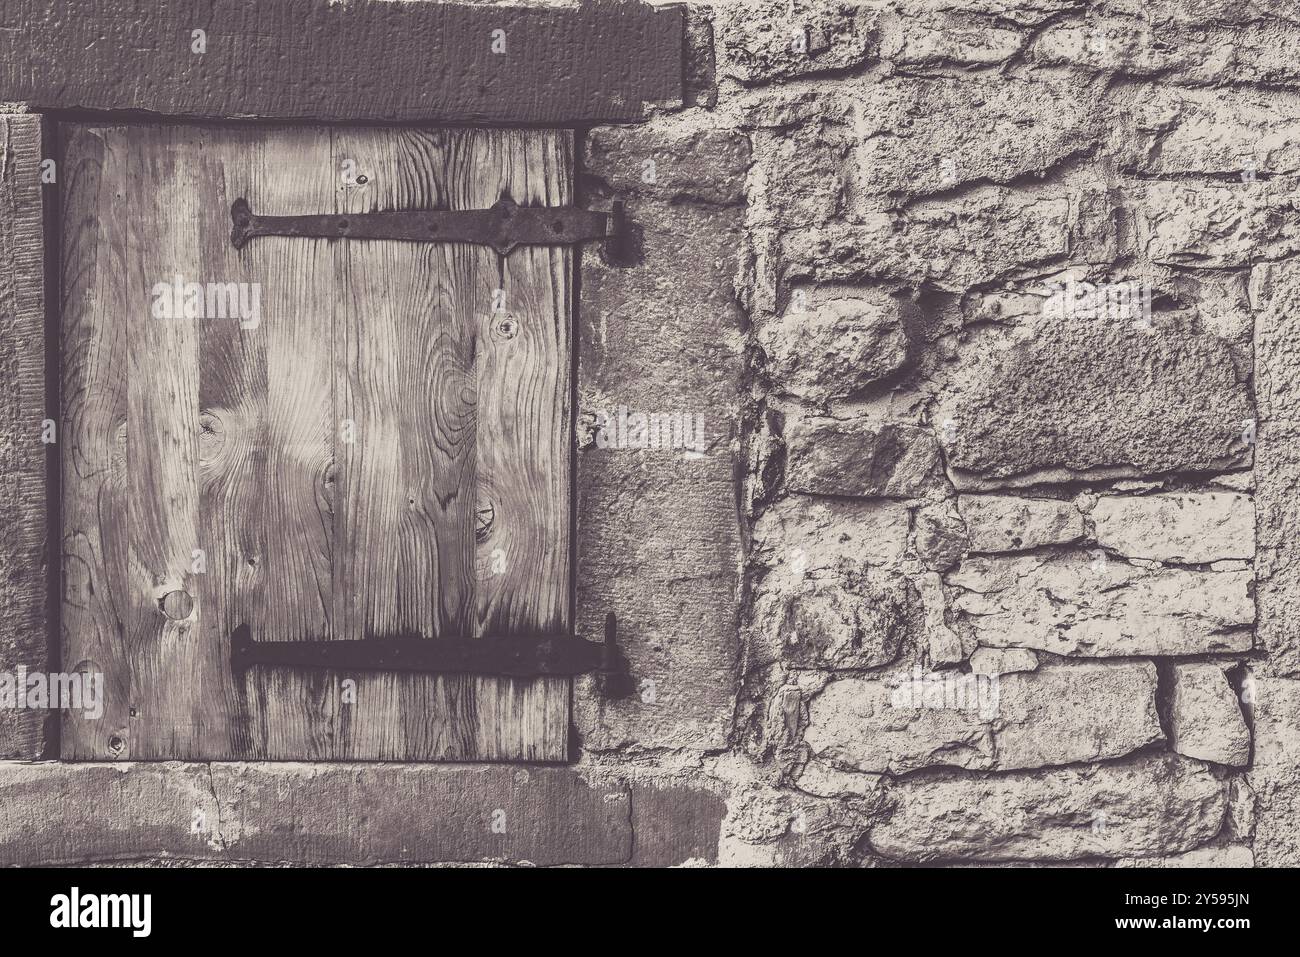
<point>503,226</point>
<point>514,657</point>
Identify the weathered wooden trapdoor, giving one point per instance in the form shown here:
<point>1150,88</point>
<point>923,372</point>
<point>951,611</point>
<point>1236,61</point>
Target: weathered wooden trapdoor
<point>375,439</point>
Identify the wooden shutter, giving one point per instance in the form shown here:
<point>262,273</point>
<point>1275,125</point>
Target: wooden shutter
<point>388,450</point>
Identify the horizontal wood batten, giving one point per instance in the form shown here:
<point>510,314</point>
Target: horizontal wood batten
<point>369,60</point>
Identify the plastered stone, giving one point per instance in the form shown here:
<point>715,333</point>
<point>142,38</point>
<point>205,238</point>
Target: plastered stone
<point>860,457</point>
<point>951,244</point>
<point>940,535</point>
<point>1230,132</point>
<point>1009,129</point>
<point>1002,661</point>
<point>1226,856</point>
<point>1220,225</point>
<point>770,40</point>
<point>804,165</point>
<point>835,346</point>
<point>1173,41</point>
<point>857,622</point>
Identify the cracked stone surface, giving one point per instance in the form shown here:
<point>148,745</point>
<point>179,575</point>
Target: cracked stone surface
<point>758,43</point>
<point>1191,528</point>
<point>1055,715</point>
<point>952,245</point>
<point>1001,661</point>
<point>1004,523</point>
<point>1216,131</point>
<point>838,347</point>
<point>860,458</point>
<point>1010,129</point>
<point>1076,604</point>
<point>940,535</point>
<point>1205,719</point>
<point>1215,225</point>
<point>1231,855</point>
<point>1155,807</point>
<point>858,622</point>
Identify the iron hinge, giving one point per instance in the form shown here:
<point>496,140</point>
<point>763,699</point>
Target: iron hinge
<point>524,656</point>
<point>503,226</point>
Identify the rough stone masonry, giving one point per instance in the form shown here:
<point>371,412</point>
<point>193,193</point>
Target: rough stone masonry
<point>974,471</point>
<point>996,305</point>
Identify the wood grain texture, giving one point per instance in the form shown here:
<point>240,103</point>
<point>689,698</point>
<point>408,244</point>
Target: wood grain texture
<point>524,352</point>
<point>363,60</point>
<point>23,592</point>
<point>93,356</point>
<point>164,224</point>
<point>328,461</point>
<point>235,492</point>
<point>267,425</point>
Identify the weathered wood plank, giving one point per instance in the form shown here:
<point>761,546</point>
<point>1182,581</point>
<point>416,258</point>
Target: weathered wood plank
<point>23,593</point>
<point>231,376</point>
<point>363,60</point>
<point>405,469</point>
<point>524,437</point>
<point>278,582</point>
<point>410,333</point>
<point>162,198</point>
<point>96,602</point>
<point>405,391</point>
<point>298,306</point>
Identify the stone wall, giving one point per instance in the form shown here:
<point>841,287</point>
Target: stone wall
<point>1018,385</point>
<point>990,311</point>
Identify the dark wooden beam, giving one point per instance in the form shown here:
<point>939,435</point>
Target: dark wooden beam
<point>360,60</point>
<point>24,621</point>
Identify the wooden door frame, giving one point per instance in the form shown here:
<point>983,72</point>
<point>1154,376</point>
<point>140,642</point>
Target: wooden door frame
<point>365,64</point>
<point>370,61</point>
<point>186,700</point>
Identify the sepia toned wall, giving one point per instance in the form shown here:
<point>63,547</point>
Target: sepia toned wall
<point>987,309</point>
<point>1017,286</point>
